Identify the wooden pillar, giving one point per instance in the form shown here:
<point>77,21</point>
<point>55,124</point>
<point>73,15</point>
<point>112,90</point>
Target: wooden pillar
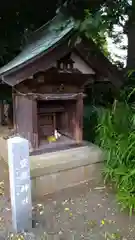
<point>54,122</point>
<point>14,100</point>
<point>2,113</point>
<point>64,121</point>
<point>79,119</point>
<point>35,138</point>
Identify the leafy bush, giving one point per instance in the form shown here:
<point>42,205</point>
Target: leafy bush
<point>116,135</point>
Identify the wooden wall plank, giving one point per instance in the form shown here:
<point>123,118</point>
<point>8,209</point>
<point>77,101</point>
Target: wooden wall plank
<point>23,117</point>
<point>79,119</point>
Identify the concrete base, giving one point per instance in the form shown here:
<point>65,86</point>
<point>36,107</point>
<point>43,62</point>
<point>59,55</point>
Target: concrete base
<point>51,172</point>
<point>55,171</point>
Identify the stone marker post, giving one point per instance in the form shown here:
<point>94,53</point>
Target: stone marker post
<point>20,185</point>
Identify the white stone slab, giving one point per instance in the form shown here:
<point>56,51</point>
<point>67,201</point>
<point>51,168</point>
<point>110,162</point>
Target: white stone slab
<point>20,185</point>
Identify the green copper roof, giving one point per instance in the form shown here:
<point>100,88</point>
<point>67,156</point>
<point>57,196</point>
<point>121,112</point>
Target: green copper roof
<point>42,40</point>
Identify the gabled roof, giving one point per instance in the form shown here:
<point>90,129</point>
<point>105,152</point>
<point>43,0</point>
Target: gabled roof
<point>51,42</point>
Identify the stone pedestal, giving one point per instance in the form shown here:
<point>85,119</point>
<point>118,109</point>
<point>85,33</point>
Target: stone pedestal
<point>51,172</point>
<point>59,170</point>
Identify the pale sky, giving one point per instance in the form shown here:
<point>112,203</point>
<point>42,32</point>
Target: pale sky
<point>114,49</point>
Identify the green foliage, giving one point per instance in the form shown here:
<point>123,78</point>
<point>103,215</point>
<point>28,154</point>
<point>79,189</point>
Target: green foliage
<point>116,135</point>
<point>89,122</point>
<point>93,27</point>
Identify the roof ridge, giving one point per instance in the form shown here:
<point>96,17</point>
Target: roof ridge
<point>42,40</point>
<point>60,18</point>
<point>41,27</point>
<point>49,22</point>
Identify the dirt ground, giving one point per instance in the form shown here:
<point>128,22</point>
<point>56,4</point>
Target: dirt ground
<point>88,211</point>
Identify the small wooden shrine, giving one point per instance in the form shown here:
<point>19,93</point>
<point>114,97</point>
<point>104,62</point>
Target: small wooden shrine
<point>51,104</point>
<point>48,79</point>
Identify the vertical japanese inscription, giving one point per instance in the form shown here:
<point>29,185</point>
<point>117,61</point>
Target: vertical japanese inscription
<point>20,185</point>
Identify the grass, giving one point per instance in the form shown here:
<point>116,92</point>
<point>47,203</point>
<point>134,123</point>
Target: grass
<point>116,135</point>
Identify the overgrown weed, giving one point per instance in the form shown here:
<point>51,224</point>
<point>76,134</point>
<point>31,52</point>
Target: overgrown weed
<point>116,135</point>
